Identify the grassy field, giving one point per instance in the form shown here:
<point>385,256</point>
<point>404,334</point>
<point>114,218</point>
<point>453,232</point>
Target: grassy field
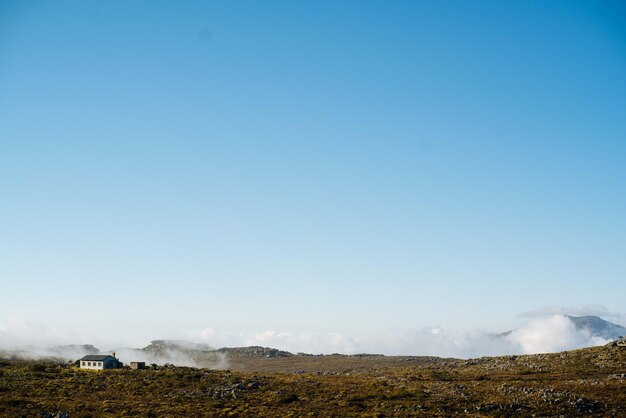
<point>584,382</point>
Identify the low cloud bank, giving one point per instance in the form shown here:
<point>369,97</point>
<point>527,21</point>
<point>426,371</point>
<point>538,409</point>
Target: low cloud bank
<point>575,310</point>
<point>16,332</point>
<point>538,335</point>
<point>551,334</point>
<point>175,353</point>
<point>21,339</point>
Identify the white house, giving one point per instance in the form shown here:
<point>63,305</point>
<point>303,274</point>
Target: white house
<point>99,362</point>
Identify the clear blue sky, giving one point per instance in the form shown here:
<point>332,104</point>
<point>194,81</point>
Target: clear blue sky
<point>316,166</point>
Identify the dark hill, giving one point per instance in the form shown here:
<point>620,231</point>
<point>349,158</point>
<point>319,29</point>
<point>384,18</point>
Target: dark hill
<point>598,326</point>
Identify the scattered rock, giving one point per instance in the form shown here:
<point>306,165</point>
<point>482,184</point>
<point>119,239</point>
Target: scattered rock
<point>587,405</point>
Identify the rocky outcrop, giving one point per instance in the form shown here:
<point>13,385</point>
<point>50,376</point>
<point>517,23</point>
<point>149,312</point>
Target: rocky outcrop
<point>254,351</point>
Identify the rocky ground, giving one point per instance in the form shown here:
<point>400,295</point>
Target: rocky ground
<point>587,382</point>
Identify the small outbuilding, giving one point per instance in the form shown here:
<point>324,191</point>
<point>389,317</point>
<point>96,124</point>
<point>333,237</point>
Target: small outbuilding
<point>99,362</point>
<point>136,365</point>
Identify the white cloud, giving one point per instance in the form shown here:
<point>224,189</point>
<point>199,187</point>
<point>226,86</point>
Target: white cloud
<point>550,334</point>
<point>537,335</point>
<point>295,341</point>
<point>540,333</point>
<point>574,310</point>
<point>18,332</point>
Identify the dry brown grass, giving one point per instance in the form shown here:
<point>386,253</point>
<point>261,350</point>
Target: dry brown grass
<point>577,383</point>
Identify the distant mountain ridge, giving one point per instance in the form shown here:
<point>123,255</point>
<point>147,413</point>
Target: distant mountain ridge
<point>186,353</point>
<point>79,349</point>
<point>160,346</point>
<point>163,347</point>
<point>596,326</point>
<point>254,351</point>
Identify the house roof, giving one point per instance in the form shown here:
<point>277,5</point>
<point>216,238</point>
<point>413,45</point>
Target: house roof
<point>95,357</point>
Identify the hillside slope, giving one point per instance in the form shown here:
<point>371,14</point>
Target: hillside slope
<point>585,382</point>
